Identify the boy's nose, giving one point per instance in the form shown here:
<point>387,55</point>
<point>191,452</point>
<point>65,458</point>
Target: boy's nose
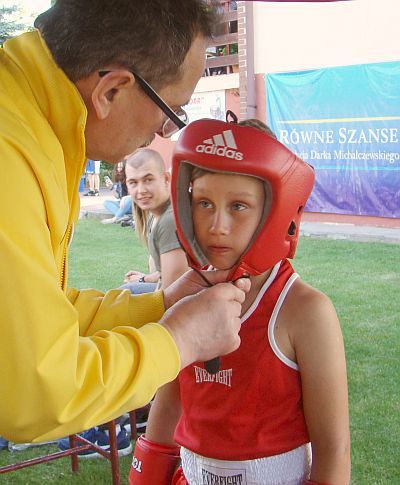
<point>220,223</point>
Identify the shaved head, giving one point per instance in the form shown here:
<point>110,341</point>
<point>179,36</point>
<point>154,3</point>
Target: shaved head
<point>144,155</point>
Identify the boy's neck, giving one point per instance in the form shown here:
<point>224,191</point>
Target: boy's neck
<point>256,285</point>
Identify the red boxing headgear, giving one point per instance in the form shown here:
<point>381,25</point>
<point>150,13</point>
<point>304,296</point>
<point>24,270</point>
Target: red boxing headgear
<point>230,148</point>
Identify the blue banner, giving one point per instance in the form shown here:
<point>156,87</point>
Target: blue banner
<point>345,121</point>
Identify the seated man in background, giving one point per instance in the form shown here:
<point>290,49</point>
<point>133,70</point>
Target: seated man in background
<point>148,183</point>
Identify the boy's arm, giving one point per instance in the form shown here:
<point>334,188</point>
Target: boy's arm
<point>164,414</point>
<point>318,344</point>
<point>156,455</point>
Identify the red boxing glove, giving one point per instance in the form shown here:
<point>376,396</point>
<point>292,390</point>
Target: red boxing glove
<point>153,463</point>
<point>312,482</point>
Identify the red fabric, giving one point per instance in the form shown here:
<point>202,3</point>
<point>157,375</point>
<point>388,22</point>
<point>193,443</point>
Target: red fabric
<point>153,463</point>
<point>179,478</point>
<point>252,408</point>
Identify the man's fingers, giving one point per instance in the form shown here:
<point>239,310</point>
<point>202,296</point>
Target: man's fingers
<point>234,346</point>
<point>206,325</point>
<point>220,276</point>
<point>243,284</point>
<point>131,278</point>
<point>214,277</point>
<point>237,342</point>
<point>229,292</point>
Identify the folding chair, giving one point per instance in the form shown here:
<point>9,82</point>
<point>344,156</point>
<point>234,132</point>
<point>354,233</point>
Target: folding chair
<point>74,449</point>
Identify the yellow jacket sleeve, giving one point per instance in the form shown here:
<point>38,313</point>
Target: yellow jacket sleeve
<point>68,360</point>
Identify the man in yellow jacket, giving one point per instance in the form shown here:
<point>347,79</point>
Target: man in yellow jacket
<point>78,88</point>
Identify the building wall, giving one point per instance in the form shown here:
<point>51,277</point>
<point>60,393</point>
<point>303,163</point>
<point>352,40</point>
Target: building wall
<point>291,36</point>
<point>295,37</point>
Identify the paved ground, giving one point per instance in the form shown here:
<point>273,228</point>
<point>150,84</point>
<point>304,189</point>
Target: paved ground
<point>353,232</point>
<point>330,226</point>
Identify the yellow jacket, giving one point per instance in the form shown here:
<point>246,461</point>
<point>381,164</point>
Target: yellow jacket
<point>68,359</point>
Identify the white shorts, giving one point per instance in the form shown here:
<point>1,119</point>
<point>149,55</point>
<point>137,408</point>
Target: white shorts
<point>97,166</point>
<point>93,166</point>
<point>290,468</point>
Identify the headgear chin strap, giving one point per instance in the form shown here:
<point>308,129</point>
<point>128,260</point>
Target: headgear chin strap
<point>230,148</point>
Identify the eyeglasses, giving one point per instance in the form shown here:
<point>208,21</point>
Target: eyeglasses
<point>176,119</point>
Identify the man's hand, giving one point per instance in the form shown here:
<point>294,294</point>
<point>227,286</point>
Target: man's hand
<point>191,283</point>
<point>132,276</point>
<point>206,325</point>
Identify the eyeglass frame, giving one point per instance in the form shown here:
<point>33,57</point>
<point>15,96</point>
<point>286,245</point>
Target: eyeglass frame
<point>156,98</point>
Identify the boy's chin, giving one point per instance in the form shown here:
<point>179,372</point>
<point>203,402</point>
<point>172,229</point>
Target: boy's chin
<point>222,267</point>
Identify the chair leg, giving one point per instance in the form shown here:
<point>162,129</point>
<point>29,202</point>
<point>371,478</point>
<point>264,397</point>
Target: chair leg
<point>74,456</point>
<point>116,480</point>
<point>132,420</point>
<point>73,451</point>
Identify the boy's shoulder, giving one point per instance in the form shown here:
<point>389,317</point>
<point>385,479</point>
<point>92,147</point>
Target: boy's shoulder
<point>304,298</point>
<point>305,308</point>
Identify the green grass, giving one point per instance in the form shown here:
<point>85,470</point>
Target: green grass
<point>58,472</point>
<point>362,279</point>
<point>100,255</point>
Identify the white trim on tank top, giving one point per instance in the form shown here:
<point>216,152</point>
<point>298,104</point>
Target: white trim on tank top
<point>271,324</point>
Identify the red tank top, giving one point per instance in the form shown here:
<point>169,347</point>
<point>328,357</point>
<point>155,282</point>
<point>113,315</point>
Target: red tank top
<point>252,408</point>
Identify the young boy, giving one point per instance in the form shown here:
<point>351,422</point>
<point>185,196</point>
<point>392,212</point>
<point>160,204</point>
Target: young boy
<point>276,412</point>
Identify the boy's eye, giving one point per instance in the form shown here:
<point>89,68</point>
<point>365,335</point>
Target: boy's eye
<point>204,204</point>
<point>238,206</point>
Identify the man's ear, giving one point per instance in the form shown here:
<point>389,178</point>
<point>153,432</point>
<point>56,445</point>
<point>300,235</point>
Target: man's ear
<point>109,90</point>
<point>167,176</point>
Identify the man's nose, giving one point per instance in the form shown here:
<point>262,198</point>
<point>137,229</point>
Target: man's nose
<point>141,187</point>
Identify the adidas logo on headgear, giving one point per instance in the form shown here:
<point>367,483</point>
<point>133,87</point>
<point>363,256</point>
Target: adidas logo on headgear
<point>223,145</point>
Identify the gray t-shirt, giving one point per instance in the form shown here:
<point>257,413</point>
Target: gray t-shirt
<point>162,238</point>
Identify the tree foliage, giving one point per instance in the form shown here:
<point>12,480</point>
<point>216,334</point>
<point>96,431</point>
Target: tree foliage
<point>9,26</point>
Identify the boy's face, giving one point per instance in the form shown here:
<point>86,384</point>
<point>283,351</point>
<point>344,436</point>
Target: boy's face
<point>226,210</point>
<point>148,185</point>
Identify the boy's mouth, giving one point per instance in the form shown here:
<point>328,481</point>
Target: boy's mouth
<point>218,249</point>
